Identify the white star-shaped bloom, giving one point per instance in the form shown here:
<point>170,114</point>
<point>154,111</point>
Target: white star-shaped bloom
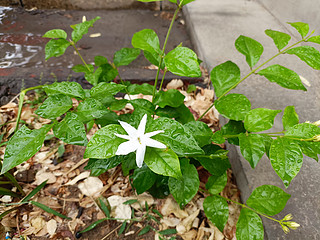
<point>138,140</point>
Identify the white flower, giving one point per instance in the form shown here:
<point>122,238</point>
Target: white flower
<point>138,140</point>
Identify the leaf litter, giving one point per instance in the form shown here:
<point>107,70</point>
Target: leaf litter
<point>71,190</point>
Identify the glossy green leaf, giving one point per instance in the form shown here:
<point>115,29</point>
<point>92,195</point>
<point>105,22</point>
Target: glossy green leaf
<point>143,179</point>
<point>100,60</point>
<point>81,29</point>
<point>146,40</point>
<point>144,230</point>
<point>268,199</point>
<point>303,131</point>
<point>181,114</point>
<point>55,33</point>
<point>23,145</point>
<point>104,88</point>
<point>172,98</point>
<point>90,109</point>
<point>200,131</point>
<point>117,105</point>
<point>160,188</point>
<point>302,28</point>
<point>82,68</point>
<point>104,206</point>
<point>48,210</point>
<point>290,117</point>
<point>175,136</point>
<point>233,106</point>
<point>283,76</point>
<point>125,56</point>
<point>224,77</point>
<point>233,128</point>
<point>260,119</point>
<point>216,210</point>
<point>286,159</point>
<point>250,48</point>
<point>103,165</point>
<point>144,88</point>
<point>108,117</point>
<point>54,106</point>
<point>314,39</point>
<point>105,73</point>
<point>267,143</point>
<point>252,148</point>
<point>71,89</point>
<point>218,138</point>
<point>216,183</point>
<point>128,163</point>
<point>249,226</point>
<point>216,163</point>
<point>280,39</point>
<point>154,58</point>
<point>56,47</point>
<point>183,61</point>
<point>308,54</point>
<point>184,2</point>
<point>130,201</point>
<point>310,149</point>
<point>143,106</point>
<point>163,162</point>
<point>71,130</point>
<point>191,88</point>
<point>104,143</point>
<point>185,188</point>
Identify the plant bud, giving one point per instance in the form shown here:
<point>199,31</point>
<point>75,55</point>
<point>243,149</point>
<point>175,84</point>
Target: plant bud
<point>287,217</point>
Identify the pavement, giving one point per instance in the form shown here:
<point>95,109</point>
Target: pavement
<point>214,25</point>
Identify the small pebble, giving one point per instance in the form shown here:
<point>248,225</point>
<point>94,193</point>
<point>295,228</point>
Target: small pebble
<point>78,234</point>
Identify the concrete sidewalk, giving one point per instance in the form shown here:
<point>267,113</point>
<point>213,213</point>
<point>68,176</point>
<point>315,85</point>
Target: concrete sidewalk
<point>214,25</point>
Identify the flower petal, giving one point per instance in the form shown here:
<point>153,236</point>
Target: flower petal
<point>154,143</point>
<point>127,147</point>
<point>140,155</point>
<point>128,128</point>
<point>123,136</point>
<point>150,134</point>
<point>142,125</point>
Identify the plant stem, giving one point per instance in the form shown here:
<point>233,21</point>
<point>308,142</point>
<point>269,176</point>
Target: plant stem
<point>250,73</point>
<point>77,51</point>
<point>126,89</point>
<point>22,94</point>
<point>162,52</point>
<point>162,80</point>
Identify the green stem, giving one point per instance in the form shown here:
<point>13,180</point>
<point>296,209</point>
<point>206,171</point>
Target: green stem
<point>77,51</point>
<point>250,73</point>
<point>126,89</point>
<point>21,98</point>
<point>162,80</point>
<point>162,52</point>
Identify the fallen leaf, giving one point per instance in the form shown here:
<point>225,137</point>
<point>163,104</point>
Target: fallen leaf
<point>186,224</point>
<point>91,186</point>
<point>118,209</point>
<point>42,175</point>
<point>171,206</point>
<point>175,84</point>
<point>78,178</point>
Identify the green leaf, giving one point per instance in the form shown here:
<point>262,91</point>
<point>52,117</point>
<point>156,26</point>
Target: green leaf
<point>183,61</point>
<point>131,201</point>
<point>180,141</point>
<point>104,143</point>
<point>144,230</point>
<point>308,54</point>
<point>252,148</point>
<point>104,88</point>
<point>233,128</point>
<point>302,28</point>
<point>144,88</point>
<point>233,106</point>
<point>314,39</point>
<point>102,165</point>
<point>268,199</point>
<point>34,192</point>
<point>143,179</point>
<point>191,88</point>
<point>172,98</point>
<point>286,159</point>
<point>81,29</point>
<point>160,188</point>
<point>163,162</point>
<point>105,73</point>
<point>260,119</point>
<point>250,48</point>
<point>303,131</point>
<point>143,106</point>
<point>4,191</point>
<point>185,188</point>
<point>100,60</point>
<point>311,149</point>
<point>71,89</point>
<point>225,77</point>
<point>108,117</point>
<point>23,145</point>
<point>48,210</point>
<point>216,183</point>
<point>82,68</point>
<point>154,58</point>
<point>181,114</point>
<point>184,2</point>
<point>104,207</point>
<point>117,105</point>
<point>168,231</point>
<point>128,163</point>
<point>249,226</point>
<point>280,39</point>
<point>283,76</point>
<point>216,210</point>
<point>71,130</point>
<point>54,106</point>
<point>93,225</point>
<point>200,131</point>
<point>56,47</point>
<point>125,56</point>
<point>267,143</point>
<point>90,109</point>
<point>146,40</point>
<point>55,33</point>
<point>290,117</point>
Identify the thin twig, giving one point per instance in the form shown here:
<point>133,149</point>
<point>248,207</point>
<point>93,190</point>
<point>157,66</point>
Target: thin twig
<point>105,237</point>
<point>77,165</point>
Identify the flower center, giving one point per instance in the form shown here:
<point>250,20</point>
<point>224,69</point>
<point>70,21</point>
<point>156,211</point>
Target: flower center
<point>139,140</point>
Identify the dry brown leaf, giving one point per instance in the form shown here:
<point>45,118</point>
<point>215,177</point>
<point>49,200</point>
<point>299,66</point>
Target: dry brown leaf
<point>91,186</point>
<point>118,209</point>
<point>191,235</point>
<point>186,224</point>
<point>175,84</point>
<point>42,175</point>
<point>78,178</point>
<point>171,206</point>
<point>52,226</point>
